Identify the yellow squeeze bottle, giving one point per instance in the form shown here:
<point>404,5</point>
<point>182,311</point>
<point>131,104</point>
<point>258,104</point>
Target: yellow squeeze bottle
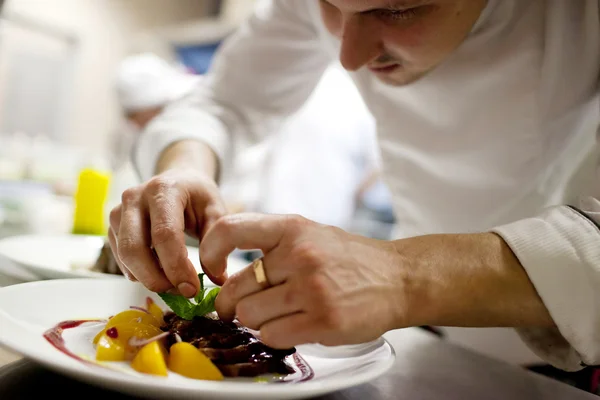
<point>90,200</point>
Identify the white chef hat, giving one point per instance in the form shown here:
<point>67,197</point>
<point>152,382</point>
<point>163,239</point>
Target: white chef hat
<point>145,81</point>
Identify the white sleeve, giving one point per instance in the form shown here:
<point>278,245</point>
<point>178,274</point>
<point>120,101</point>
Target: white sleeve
<point>560,251</point>
<point>262,73</point>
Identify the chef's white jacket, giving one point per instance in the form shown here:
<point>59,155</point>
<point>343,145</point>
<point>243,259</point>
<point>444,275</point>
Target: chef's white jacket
<point>495,138</point>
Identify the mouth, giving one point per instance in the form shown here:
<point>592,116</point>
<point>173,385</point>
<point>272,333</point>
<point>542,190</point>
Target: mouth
<point>386,69</point>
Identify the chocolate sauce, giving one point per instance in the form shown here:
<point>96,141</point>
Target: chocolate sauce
<point>234,350</point>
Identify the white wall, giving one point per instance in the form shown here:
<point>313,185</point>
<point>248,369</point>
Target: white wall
<point>235,11</point>
<point>207,30</point>
<point>102,28</point>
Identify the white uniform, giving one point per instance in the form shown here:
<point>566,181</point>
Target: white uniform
<point>497,133</point>
<point>315,162</point>
<point>321,155</point>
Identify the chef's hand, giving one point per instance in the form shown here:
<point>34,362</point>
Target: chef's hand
<point>325,285</point>
<point>147,230</point>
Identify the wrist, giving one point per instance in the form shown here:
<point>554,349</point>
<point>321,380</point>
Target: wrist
<point>189,155</point>
<point>469,280</point>
<point>416,301</point>
<point>398,291</point>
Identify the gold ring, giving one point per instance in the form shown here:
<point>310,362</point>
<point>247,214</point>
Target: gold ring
<point>259,272</point>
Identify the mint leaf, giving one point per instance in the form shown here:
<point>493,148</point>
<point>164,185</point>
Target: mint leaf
<point>184,308</point>
<point>179,304</point>
<point>200,296</point>
<point>207,305</point>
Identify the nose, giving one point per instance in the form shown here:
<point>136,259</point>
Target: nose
<point>360,45</point>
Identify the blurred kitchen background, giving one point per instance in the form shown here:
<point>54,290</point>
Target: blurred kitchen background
<point>59,113</point>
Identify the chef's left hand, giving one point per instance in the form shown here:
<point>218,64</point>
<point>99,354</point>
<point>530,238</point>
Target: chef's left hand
<point>324,285</point>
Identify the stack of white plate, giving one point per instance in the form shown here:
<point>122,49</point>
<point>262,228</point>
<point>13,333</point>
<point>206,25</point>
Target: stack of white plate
<point>37,257</point>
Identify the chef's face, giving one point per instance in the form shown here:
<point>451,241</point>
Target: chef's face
<point>399,40</point>
<point>141,118</point>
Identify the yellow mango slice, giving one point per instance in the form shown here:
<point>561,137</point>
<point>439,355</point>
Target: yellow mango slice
<point>99,335</point>
<point>118,337</point>
<point>151,359</point>
<point>127,317</point>
<point>131,315</point>
<point>156,311</point>
<point>187,360</point>
<point>109,349</point>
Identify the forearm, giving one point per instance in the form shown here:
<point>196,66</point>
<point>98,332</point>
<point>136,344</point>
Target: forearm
<point>186,154</point>
<point>470,280</point>
<point>231,104</point>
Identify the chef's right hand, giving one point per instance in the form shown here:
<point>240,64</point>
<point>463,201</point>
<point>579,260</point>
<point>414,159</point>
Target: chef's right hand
<point>147,230</point>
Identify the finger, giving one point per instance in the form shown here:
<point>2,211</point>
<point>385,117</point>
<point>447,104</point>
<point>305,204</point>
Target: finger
<point>257,309</point>
<point>214,209</point>
<point>290,331</point>
<point>244,283</point>
<point>112,241</point>
<point>236,287</point>
<point>241,231</point>
<point>166,209</point>
<point>115,218</point>
<point>212,213</point>
<point>115,222</point>
<point>133,245</point>
<point>205,206</point>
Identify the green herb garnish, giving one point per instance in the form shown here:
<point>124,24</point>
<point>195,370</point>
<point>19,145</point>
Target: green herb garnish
<point>204,302</point>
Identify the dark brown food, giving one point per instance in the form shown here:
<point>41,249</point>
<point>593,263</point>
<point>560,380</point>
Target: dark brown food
<point>232,348</point>
<point>106,262</point>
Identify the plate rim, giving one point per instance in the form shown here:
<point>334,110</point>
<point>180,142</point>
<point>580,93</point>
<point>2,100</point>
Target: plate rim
<point>44,272</point>
<point>124,383</point>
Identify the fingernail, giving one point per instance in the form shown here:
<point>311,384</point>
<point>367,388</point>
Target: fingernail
<point>127,273</point>
<point>130,277</point>
<point>186,289</point>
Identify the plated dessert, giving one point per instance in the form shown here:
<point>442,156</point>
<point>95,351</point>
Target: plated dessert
<point>65,325</point>
<point>187,339</point>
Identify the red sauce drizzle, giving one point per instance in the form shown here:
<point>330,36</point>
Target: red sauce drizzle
<point>54,336</point>
<point>306,371</point>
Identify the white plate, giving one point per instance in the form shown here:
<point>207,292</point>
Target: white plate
<point>72,256</point>
<point>28,310</point>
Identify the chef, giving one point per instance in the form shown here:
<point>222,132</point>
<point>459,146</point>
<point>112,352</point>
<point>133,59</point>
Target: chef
<point>486,113</point>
